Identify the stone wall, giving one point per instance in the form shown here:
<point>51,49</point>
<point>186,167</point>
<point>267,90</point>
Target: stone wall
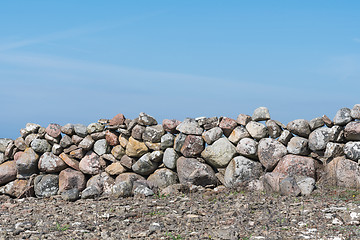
<point>123,157</point>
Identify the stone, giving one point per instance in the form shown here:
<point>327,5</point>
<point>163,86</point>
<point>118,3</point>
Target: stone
<point>127,161</point>
<point>109,157</point>
<point>193,146</point>
<point>76,139</point>
<point>153,133</point>
<point>352,131</point>
<point>209,123</point>
<point>68,129</point>
<point>70,178</point>
<point>118,119</point>
<point>167,141</point>
<point>98,135</point>
<point>190,126</point>
<point>135,148</point>
<point>144,166</point>
<point>243,119</point>
<point>66,141</point>
<point>156,156</point>
<point>2,157</point>
<point>273,128</point>
<point>163,177</point>
<point>10,151</point>
<point>342,172</point>
<point>327,121</point>
<point>91,192</point>
<point>24,132</point>
<point>210,136</point>
<point>227,125</point>
<point>87,143</point>
<point>51,140</point>
<point>18,188</point>
<point>179,141</point>
<point>261,114</point>
<point>80,130</point>
<point>8,172</point>
<point>103,181</point>
<point>257,130</point>
<point>146,120</point>
<point>296,165</point>
<point>29,138</point>
<point>247,147</point>
<point>130,177</point>
<point>123,140</point>
<point>115,168</point>
<point>70,195</point>
<point>142,190</point>
<point>319,138</point>
<point>153,146</point>
<point>95,128</point>
<point>77,153</point>
<point>299,127</point>
<point>90,164</point>
<point>289,187</point>
<point>192,171</point>
<point>50,163</point>
<point>306,184</point>
<point>175,189</point>
<point>112,138</point>
<point>270,152</point>
<point>355,111</point>
<point>170,157</point>
<point>334,150</point>
<point>285,137</point>
<point>170,125</point>
<point>219,153</point>
<point>20,143</point>
<point>40,145</point>
<point>352,150</point>
<point>101,147</point>
<point>342,117</point>
<point>237,134</point>
<point>271,181</point>
<point>4,142</point>
<point>46,185</point>
<point>298,146</point>
<point>138,131</point>
<point>241,170</point>
<point>118,152</point>
<point>69,161</point>
<point>122,189</point>
<point>337,134</point>
<point>56,149</point>
<point>130,124</point>
<point>32,127</point>
<point>27,164</point>
<point>316,123</point>
<point>53,130</point>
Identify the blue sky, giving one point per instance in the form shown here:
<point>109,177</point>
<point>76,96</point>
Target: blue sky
<point>79,61</point>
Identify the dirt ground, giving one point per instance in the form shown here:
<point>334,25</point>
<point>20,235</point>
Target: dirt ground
<point>328,213</point>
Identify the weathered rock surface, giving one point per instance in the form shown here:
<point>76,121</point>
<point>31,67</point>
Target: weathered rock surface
<point>237,134</point>
<point>69,179</point>
<point>257,130</point>
<point>270,152</point>
<point>80,130</point>
<point>352,131</point>
<point>190,126</point>
<point>8,172</point>
<point>179,141</point>
<point>163,177</point>
<point>289,187</point>
<point>192,171</point>
<point>355,111</point>
<point>316,123</point>
<point>146,120</point>
<point>153,133</point>
<point>135,148</point>
<point>212,135</point>
<point>342,172</point>
<point>352,150</point>
<point>27,164</point>
<point>243,119</point>
<point>103,181</point>
<point>51,163</point>
<point>167,141</point>
<point>144,166</point>
<point>293,165</point>
<point>69,161</point>
<point>227,125</point>
<point>53,130</point>
<point>219,153</point>
<point>247,147</point>
<point>319,138</point>
<point>40,145</point>
<point>170,125</point>
<point>170,157</point>
<point>193,146</point>
<point>118,119</point>
<point>46,185</point>
<point>90,164</point>
<point>298,146</point>
<point>273,128</point>
<point>112,138</point>
<point>285,137</point>
<point>101,147</point>
<point>299,127</point>
<point>115,168</point>
<point>68,129</point>
<point>342,117</point>
<point>261,114</point>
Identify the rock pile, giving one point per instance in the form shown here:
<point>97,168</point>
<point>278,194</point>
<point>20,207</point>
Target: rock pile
<point>123,157</point>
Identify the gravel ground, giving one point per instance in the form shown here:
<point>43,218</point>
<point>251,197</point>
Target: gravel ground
<point>329,213</point>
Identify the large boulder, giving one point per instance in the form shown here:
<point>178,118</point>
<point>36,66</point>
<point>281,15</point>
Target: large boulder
<point>319,138</point>
<point>257,130</point>
<point>299,127</point>
<point>193,146</point>
<point>163,177</point>
<point>46,185</point>
<point>342,172</point>
<point>352,150</point>
<point>293,165</point>
<point>103,181</point>
<point>270,152</point>
<point>241,170</point>
<point>27,164</point>
<point>8,172</point>
<point>219,153</point>
<point>352,131</point>
<point>342,117</point>
<point>192,171</point>
<point>51,163</point>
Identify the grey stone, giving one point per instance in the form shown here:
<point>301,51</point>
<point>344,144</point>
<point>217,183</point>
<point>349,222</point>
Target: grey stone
<point>271,181</point>
<point>273,128</point>
<point>143,191</point>
<point>68,129</point>
<point>20,144</point>
<point>210,123</point>
<point>247,147</point>
<point>352,131</point>
<point>156,156</point>
<point>146,120</point>
<point>352,150</point>
<point>66,141</point>
<point>270,152</point>
<point>179,141</point>
<point>122,189</point>
<point>10,151</point>
<point>337,134</point>
<point>98,135</point>
<point>80,130</point>
<point>95,127</point>
<point>243,119</point>
<point>170,157</point>
<point>298,146</point>
<point>237,134</point>
<point>76,139</point>
<point>4,142</point>
<point>70,195</point>
<point>299,127</point>
<point>257,130</point>
<point>51,139</point>
<point>91,192</point>
<point>212,135</point>
<point>46,185</point>
<point>190,126</point>
<point>289,187</point>
<point>261,114</point>
<point>127,161</point>
<point>163,177</point>
<point>101,147</point>
<point>29,138</point>
<point>316,123</point>
<point>192,171</point>
<point>285,137</point>
<point>27,164</point>
<point>167,141</point>
<point>153,133</point>
<point>319,138</point>
<point>138,131</point>
<point>355,111</point>
<point>334,150</point>
<point>51,163</point>
<point>219,153</point>
<point>241,170</point>
<point>40,145</point>
<point>103,181</point>
<point>56,149</point>
<point>2,157</point>
<point>118,152</point>
<point>342,117</point>
<point>144,166</point>
<point>87,143</point>
<point>306,184</point>
<point>32,127</point>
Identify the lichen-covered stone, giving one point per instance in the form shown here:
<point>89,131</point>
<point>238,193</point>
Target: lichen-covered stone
<point>219,153</point>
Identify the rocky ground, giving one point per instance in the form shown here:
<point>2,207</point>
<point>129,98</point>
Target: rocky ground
<point>329,213</point>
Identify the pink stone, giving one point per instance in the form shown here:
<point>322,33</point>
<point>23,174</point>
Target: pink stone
<point>119,119</point>
<point>8,172</point>
<point>90,164</point>
<point>69,161</point>
<point>170,125</point>
<point>111,138</point>
<point>17,155</point>
<point>193,146</point>
<point>296,165</point>
<point>53,130</point>
<point>69,179</point>
<point>227,125</point>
